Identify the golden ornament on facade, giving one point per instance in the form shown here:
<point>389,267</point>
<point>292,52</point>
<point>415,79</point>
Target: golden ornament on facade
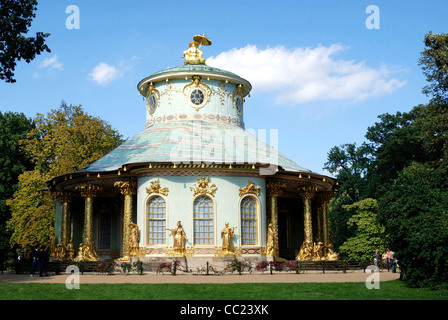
<point>63,196</point>
<point>88,190</point>
<point>270,243</point>
<point>126,187</point>
<point>197,93</point>
<point>87,252</point>
<point>155,188</point>
<point>275,189</point>
<point>250,189</point>
<point>179,238</point>
<point>307,192</point>
<point>202,187</point>
<point>134,239</point>
<point>194,54</point>
<point>227,239</point>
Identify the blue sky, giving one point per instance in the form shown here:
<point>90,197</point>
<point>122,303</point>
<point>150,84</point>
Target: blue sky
<point>319,75</point>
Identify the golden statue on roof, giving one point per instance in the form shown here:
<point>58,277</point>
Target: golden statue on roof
<point>194,53</point>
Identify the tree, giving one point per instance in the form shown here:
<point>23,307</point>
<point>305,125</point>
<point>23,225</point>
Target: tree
<point>15,19</point>
<point>415,211</point>
<point>434,63</point>
<point>13,162</point>
<point>395,144</point>
<point>349,163</point>
<point>369,234</point>
<point>433,123</point>
<point>64,141</point>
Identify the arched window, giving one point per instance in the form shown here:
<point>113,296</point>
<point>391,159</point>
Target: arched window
<point>248,221</point>
<point>203,220</point>
<point>156,221</point>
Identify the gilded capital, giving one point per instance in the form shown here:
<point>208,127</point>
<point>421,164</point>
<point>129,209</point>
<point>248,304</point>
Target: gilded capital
<point>307,192</point>
<point>89,190</point>
<point>326,196</point>
<point>63,196</point>
<point>275,189</point>
<point>126,187</point>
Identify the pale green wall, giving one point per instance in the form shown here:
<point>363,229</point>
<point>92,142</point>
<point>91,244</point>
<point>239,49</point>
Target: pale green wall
<point>180,205</point>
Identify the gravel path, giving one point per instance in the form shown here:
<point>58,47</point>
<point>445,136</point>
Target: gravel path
<point>353,276</point>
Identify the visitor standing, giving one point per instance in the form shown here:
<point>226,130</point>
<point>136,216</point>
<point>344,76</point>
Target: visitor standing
<point>43,256</point>
<point>394,262</point>
<point>35,260</point>
<point>376,257</point>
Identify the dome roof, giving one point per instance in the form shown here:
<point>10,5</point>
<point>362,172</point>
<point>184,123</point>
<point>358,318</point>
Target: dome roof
<point>194,141</point>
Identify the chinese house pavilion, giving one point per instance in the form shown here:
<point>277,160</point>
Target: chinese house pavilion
<point>194,183</point>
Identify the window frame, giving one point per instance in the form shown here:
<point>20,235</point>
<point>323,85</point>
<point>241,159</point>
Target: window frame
<point>148,200</point>
<point>257,220</point>
<point>212,199</point>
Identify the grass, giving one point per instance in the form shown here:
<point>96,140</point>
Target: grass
<point>389,290</point>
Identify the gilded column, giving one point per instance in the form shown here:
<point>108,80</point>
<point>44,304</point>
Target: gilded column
<point>65,199</point>
<point>275,190</point>
<point>307,193</point>
<point>87,251</point>
<point>128,189</point>
<point>319,220</point>
<point>326,197</point>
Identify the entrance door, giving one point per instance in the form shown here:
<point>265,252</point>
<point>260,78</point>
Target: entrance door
<point>290,227</point>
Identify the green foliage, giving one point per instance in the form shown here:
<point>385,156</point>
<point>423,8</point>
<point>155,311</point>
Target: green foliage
<point>415,211</point>
<point>16,17</point>
<point>350,164</point>
<point>63,141</point>
<point>369,234</point>
<point>403,164</point>
<point>434,62</point>
<point>395,143</point>
<point>13,161</point>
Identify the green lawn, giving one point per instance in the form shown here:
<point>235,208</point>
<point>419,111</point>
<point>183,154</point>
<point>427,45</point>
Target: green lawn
<point>390,290</point>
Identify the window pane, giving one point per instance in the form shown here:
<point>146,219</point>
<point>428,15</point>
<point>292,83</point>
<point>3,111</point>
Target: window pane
<point>203,220</point>
<point>156,221</point>
<point>248,221</point>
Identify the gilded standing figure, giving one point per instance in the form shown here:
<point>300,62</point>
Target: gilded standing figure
<point>179,238</point>
<point>227,236</point>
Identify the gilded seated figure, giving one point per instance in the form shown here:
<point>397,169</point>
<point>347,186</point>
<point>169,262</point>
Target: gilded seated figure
<point>306,251</point>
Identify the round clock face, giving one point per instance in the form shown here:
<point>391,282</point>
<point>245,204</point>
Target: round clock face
<point>152,102</point>
<point>197,97</point>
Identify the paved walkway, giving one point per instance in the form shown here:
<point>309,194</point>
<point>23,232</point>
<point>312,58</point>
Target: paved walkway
<point>352,276</point>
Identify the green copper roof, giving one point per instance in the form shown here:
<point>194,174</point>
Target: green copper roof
<point>195,67</point>
<point>193,140</point>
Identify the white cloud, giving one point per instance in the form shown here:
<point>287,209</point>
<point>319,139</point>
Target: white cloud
<point>303,75</point>
<point>52,63</point>
<point>103,74</point>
